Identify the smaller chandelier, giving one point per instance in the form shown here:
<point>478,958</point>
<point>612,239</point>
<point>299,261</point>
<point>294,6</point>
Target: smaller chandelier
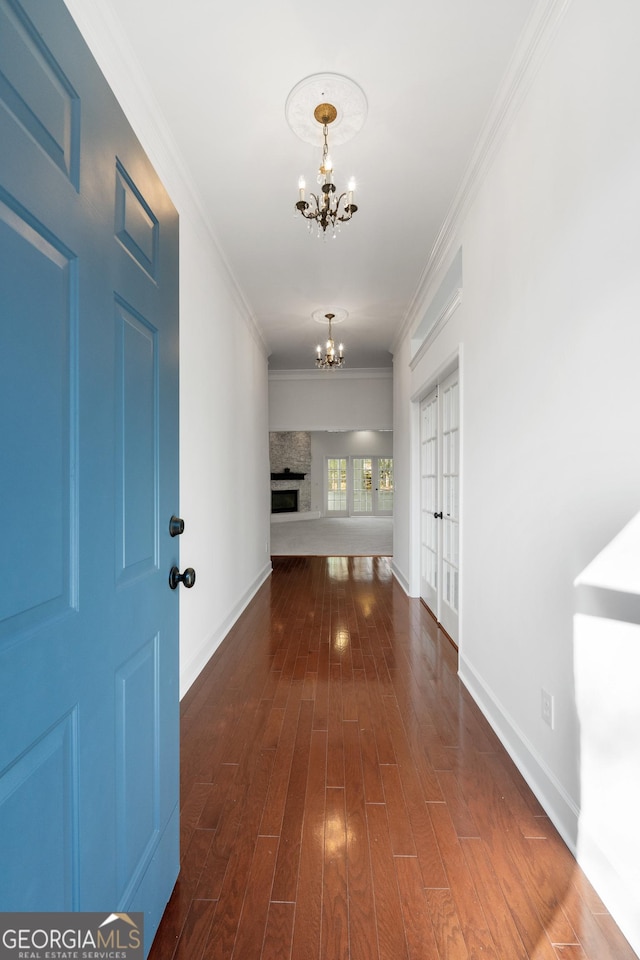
<point>327,209</point>
<point>331,359</point>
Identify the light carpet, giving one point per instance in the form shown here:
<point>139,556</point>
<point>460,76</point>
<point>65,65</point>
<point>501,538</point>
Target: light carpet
<point>333,537</point>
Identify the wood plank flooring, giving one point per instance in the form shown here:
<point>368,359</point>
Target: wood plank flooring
<point>344,799</point>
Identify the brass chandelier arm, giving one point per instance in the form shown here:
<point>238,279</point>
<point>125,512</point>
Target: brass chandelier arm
<point>350,209</point>
<point>330,209</point>
<point>323,214</point>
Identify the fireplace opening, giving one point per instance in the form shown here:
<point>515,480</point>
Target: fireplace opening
<point>284,501</point>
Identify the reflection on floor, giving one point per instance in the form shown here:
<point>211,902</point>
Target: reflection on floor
<point>343,797</point>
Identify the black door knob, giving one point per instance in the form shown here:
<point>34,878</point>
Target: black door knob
<point>176,526</point>
<point>188,578</point>
<point>438,516</point>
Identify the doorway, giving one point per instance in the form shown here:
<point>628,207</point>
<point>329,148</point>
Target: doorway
<point>372,486</point>
<point>359,486</point>
<point>440,502</point>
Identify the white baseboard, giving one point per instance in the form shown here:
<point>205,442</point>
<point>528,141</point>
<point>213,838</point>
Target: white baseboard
<point>191,670</point>
<point>299,515</point>
<point>399,576</point>
<point>619,894</point>
<point>557,803</point>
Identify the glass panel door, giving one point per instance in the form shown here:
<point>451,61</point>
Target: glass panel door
<point>384,493</point>
<point>429,529</point>
<point>337,487</point>
<point>440,503</point>
<point>372,479</point>
<point>362,486</point>
<point>450,504</point>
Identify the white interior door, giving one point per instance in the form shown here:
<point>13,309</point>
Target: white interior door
<point>337,487</point>
<point>440,503</point>
<point>449,408</point>
<point>429,494</point>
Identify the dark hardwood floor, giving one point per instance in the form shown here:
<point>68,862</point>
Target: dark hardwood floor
<point>344,799</point>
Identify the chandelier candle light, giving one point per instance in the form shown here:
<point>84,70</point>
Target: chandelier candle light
<point>331,359</point>
<point>327,209</point>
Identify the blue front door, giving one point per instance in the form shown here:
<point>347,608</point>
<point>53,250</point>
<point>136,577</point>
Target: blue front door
<point>89,482</point>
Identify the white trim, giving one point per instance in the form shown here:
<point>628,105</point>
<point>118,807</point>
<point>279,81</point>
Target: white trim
<point>105,37</point>
<point>530,51</point>
<point>453,363</point>
<point>445,315</point>
<point>615,890</point>
<point>202,656</point>
<point>415,499</point>
<point>399,576</point>
<point>292,517</point>
<point>361,373</point>
<point>447,367</point>
<point>556,802</point>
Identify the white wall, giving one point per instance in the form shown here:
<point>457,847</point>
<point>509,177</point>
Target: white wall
<point>224,455</point>
<point>330,400</point>
<point>549,225</point>
<point>224,473</point>
<point>349,443</point>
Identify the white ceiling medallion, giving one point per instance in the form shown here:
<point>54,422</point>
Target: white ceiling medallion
<point>338,314</point>
<point>345,95</point>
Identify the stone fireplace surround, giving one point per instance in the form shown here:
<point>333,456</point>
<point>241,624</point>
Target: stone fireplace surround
<point>290,453</point>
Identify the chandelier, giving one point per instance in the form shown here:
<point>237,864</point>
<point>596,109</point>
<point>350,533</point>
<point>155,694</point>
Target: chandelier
<point>327,208</point>
<point>331,359</point>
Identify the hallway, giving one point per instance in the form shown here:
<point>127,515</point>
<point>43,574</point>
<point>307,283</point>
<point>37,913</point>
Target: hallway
<point>343,798</point>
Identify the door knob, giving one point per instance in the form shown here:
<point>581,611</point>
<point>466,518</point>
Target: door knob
<point>176,526</point>
<point>438,516</point>
<point>188,578</point>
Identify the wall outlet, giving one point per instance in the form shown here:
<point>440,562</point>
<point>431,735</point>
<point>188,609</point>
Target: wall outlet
<point>546,708</point>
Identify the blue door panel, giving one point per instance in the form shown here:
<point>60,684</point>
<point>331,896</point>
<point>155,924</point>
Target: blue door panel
<point>136,227</point>
<point>41,786</point>
<point>35,89</point>
<point>136,439</point>
<point>137,767</point>
<point>36,434</point>
<point>89,473</point>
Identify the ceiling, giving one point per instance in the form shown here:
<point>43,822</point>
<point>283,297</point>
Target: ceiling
<point>220,74</point>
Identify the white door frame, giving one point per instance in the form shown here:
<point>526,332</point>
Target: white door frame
<point>453,362</point>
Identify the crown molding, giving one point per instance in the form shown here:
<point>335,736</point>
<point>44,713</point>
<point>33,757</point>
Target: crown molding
<point>443,318</point>
<point>362,373</point>
<point>102,32</point>
<point>529,54</point>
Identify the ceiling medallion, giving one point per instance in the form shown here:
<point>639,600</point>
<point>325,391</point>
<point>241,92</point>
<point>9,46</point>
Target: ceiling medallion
<point>330,99</point>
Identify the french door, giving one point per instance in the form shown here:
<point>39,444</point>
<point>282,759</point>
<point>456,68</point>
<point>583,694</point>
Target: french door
<point>89,439</point>
<point>337,487</point>
<point>372,486</point>
<point>440,502</point>
<point>359,486</point>
<point>384,492</point>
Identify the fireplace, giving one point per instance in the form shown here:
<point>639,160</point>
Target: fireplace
<point>284,501</point>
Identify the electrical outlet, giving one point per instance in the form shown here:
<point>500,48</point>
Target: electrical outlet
<point>546,708</point>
